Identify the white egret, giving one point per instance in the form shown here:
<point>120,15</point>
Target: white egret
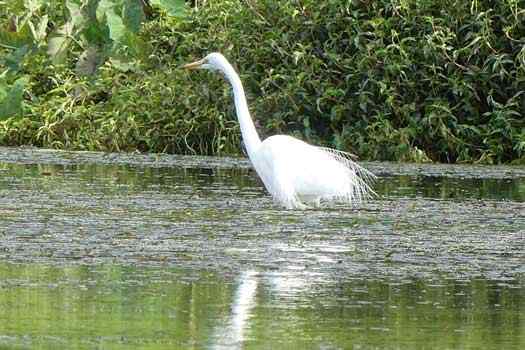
<point>294,172</point>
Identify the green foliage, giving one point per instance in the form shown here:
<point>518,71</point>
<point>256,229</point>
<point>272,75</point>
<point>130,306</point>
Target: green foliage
<point>409,80</point>
<point>413,80</point>
<point>175,8</point>
<point>89,31</point>
<point>11,97</point>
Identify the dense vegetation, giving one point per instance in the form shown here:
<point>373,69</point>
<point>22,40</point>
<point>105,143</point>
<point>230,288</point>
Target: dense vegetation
<point>410,80</point>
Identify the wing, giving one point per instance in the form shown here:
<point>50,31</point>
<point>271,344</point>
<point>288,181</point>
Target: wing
<point>359,178</point>
<point>294,172</point>
<point>272,164</point>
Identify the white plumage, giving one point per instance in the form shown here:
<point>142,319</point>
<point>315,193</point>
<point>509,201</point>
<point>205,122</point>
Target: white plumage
<point>294,172</point>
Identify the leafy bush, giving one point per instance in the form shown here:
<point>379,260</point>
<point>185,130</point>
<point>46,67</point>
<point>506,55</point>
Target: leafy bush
<point>93,83</point>
<point>413,80</point>
<point>408,80</point>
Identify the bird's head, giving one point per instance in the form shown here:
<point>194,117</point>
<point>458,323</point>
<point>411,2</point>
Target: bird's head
<point>212,61</point>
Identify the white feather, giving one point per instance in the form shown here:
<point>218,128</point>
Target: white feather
<point>294,172</point>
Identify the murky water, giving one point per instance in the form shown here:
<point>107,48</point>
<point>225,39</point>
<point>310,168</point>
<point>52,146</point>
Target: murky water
<point>159,252</point>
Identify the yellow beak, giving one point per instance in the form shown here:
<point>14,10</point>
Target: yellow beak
<point>193,65</point>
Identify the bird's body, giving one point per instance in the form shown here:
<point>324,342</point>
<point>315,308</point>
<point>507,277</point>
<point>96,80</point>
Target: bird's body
<point>297,173</point>
<point>294,172</point>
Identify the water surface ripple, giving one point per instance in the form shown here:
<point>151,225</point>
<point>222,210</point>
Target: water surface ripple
<point>155,251</point>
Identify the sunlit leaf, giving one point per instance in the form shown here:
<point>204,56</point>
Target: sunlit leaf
<point>75,12</point>
<point>175,8</point>
<point>33,5</point>
<point>122,65</point>
<point>102,9</point>
<point>42,27</point>
<point>39,32</point>
<point>58,43</point>
<point>116,26</point>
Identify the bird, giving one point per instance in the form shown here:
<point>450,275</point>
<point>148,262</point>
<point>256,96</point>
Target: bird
<point>298,175</point>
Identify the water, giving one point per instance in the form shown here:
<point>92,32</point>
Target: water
<point>159,252</point>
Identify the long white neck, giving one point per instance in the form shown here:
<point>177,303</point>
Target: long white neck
<point>251,139</point>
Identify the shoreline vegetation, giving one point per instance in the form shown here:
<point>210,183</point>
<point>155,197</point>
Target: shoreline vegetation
<point>405,80</point>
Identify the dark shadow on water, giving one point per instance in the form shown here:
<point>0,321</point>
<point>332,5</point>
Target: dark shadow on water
<point>452,188</point>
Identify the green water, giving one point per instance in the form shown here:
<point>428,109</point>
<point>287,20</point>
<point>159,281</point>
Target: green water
<point>156,252</point>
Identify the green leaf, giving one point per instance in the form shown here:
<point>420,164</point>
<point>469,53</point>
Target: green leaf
<point>96,34</point>
<point>135,45</point>
<point>122,65</point>
<point>75,13</point>
<point>90,9</point>
<point>58,43</point>
<point>117,30</point>
<point>39,32</point>
<point>175,8</point>
<point>132,15</point>
<point>11,98</point>
<point>14,60</point>
<point>102,9</point>
<point>16,39</point>
<point>33,5</point>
